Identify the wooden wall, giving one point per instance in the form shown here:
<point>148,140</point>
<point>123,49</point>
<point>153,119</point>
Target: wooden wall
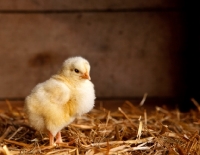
<point>133,46</point>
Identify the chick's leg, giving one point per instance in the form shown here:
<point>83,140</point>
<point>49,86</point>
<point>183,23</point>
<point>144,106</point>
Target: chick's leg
<point>51,139</point>
<point>58,137</point>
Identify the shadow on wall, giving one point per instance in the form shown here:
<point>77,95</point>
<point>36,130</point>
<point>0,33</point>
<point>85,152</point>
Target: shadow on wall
<point>191,59</point>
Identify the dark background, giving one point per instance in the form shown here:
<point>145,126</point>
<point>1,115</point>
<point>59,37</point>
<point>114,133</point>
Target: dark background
<point>134,47</point>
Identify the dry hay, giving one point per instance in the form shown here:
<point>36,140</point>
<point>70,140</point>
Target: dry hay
<point>129,130</point>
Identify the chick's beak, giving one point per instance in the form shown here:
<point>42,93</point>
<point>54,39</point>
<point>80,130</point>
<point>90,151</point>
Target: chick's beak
<point>86,76</point>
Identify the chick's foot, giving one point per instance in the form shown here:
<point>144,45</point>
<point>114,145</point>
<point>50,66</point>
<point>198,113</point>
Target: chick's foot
<point>58,138</point>
<point>51,139</point>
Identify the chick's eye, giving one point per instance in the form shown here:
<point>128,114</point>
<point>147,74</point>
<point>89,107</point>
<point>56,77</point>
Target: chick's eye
<point>76,70</point>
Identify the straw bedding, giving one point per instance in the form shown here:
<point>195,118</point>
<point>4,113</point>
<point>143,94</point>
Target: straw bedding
<point>129,130</point>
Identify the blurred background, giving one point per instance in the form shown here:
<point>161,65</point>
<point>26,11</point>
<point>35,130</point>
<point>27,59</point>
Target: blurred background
<point>133,46</point>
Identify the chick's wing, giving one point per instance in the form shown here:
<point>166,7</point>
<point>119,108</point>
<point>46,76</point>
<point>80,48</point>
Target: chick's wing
<point>53,92</point>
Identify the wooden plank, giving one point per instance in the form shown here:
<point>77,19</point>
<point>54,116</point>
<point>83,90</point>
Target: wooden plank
<point>130,53</point>
<point>84,5</point>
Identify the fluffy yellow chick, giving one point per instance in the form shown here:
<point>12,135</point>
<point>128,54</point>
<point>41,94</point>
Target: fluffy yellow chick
<point>55,103</point>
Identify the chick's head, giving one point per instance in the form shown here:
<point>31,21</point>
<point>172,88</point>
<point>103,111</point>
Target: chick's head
<point>76,68</point>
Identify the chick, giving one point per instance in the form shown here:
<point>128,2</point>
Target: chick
<point>55,103</point>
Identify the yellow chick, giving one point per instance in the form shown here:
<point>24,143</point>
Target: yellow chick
<point>55,103</point>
